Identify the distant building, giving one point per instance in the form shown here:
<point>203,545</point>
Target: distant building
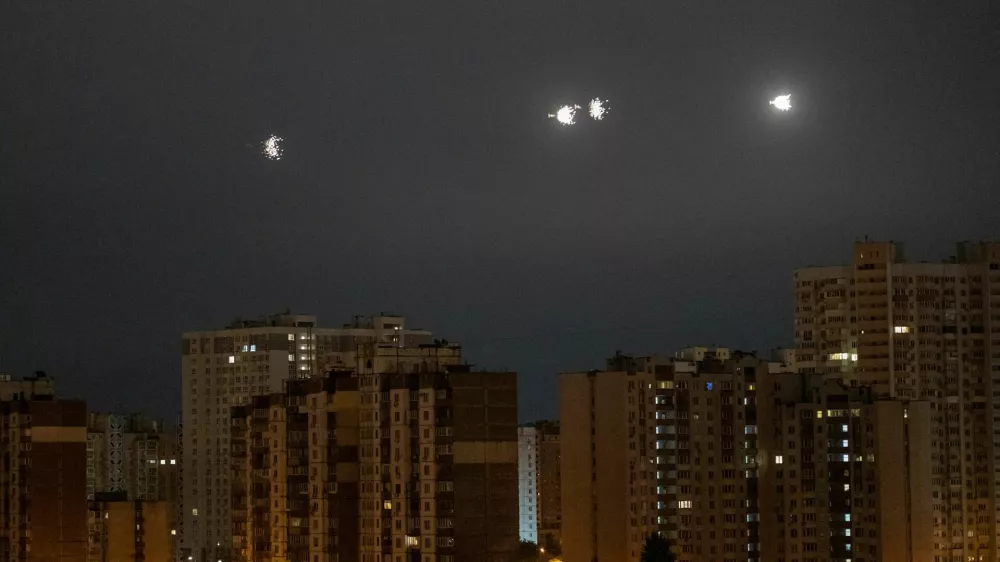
<point>412,458</point>
<point>549,486</point>
<point>539,477</point>
<point>28,388</point>
<point>137,458</point>
<point>43,488</point>
<point>527,483</point>
<point>224,368</point>
<point>126,530</point>
<point>928,335</point>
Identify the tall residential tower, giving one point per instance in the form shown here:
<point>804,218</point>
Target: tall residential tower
<point>225,368</point>
<point>928,332</point>
<point>411,459</point>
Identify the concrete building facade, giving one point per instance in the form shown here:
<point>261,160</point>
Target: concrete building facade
<point>527,485</point>
<point>549,485</point>
<point>748,460</point>
<point>927,332</point>
<point>130,530</point>
<point>225,368</point>
<point>843,475</point>
<point>411,457</point>
<point>43,491</point>
<point>136,458</point>
<point>539,484</point>
<point>608,481</point>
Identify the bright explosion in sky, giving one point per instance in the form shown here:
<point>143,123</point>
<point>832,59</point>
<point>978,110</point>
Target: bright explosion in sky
<point>566,114</point>
<point>272,147</point>
<point>783,102</point>
<point>598,109</point>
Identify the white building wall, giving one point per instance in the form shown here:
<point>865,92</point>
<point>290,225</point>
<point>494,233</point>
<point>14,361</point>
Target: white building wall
<point>527,492</point>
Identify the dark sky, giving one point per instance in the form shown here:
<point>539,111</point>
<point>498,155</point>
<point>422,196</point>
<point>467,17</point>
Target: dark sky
<point>422,176</point>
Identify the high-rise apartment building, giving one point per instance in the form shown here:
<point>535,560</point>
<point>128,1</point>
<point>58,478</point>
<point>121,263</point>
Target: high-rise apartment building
<point>134,457</point>
<point>132,454</point>
<point>410,457</point>
<point>549,486</point>
<point>296,472</point>
<point>929,332</point>
<point>527,483</point>
<point>43,489</point>
<point>539,481</point>
<point>224,368</point>
<point>130,530</point>
<point>608,481</point>
<point>843,475</point>
<point>663,444</point>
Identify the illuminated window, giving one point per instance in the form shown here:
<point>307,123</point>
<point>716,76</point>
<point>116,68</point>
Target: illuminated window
<point>778,459</point>
<point>173,531</point>
<point>708,386</point>
<point>819,414</point>
<point>902,329</point>
<point>854,357</point>
<point>194,511</point>
<point>253,347</point>
<point>173,461</point>
<point>412,542</point>
<point>163,461</point>
<point>232,358</point>
<point>684,504</point>
<point>843,443</point>
<point>291,357</point>
<point>387,504</point>
<point>847,487</point>
<point>245,348</point>
<point>839,356</point>
<point>843,428</point>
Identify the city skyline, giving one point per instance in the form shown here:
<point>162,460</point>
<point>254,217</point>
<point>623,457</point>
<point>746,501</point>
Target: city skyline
<point>419,173</point>
<point>540,406</point>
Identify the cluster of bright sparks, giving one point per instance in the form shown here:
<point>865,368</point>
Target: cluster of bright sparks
<point>782,102</point>
<point>566,115</point>
<point>598,109</point>
<point>272,148</point>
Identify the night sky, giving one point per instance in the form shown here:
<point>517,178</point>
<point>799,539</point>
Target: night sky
<point>421,174</point>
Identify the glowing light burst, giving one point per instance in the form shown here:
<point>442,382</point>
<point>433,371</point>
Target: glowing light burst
<point>272,148</point>
<point>566,114</point>
<point>598,108</point>
<point>782,103</point>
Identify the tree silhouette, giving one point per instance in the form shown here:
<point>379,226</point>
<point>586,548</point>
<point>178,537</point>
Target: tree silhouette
<point>527,551</point>
<point>656,549</point>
